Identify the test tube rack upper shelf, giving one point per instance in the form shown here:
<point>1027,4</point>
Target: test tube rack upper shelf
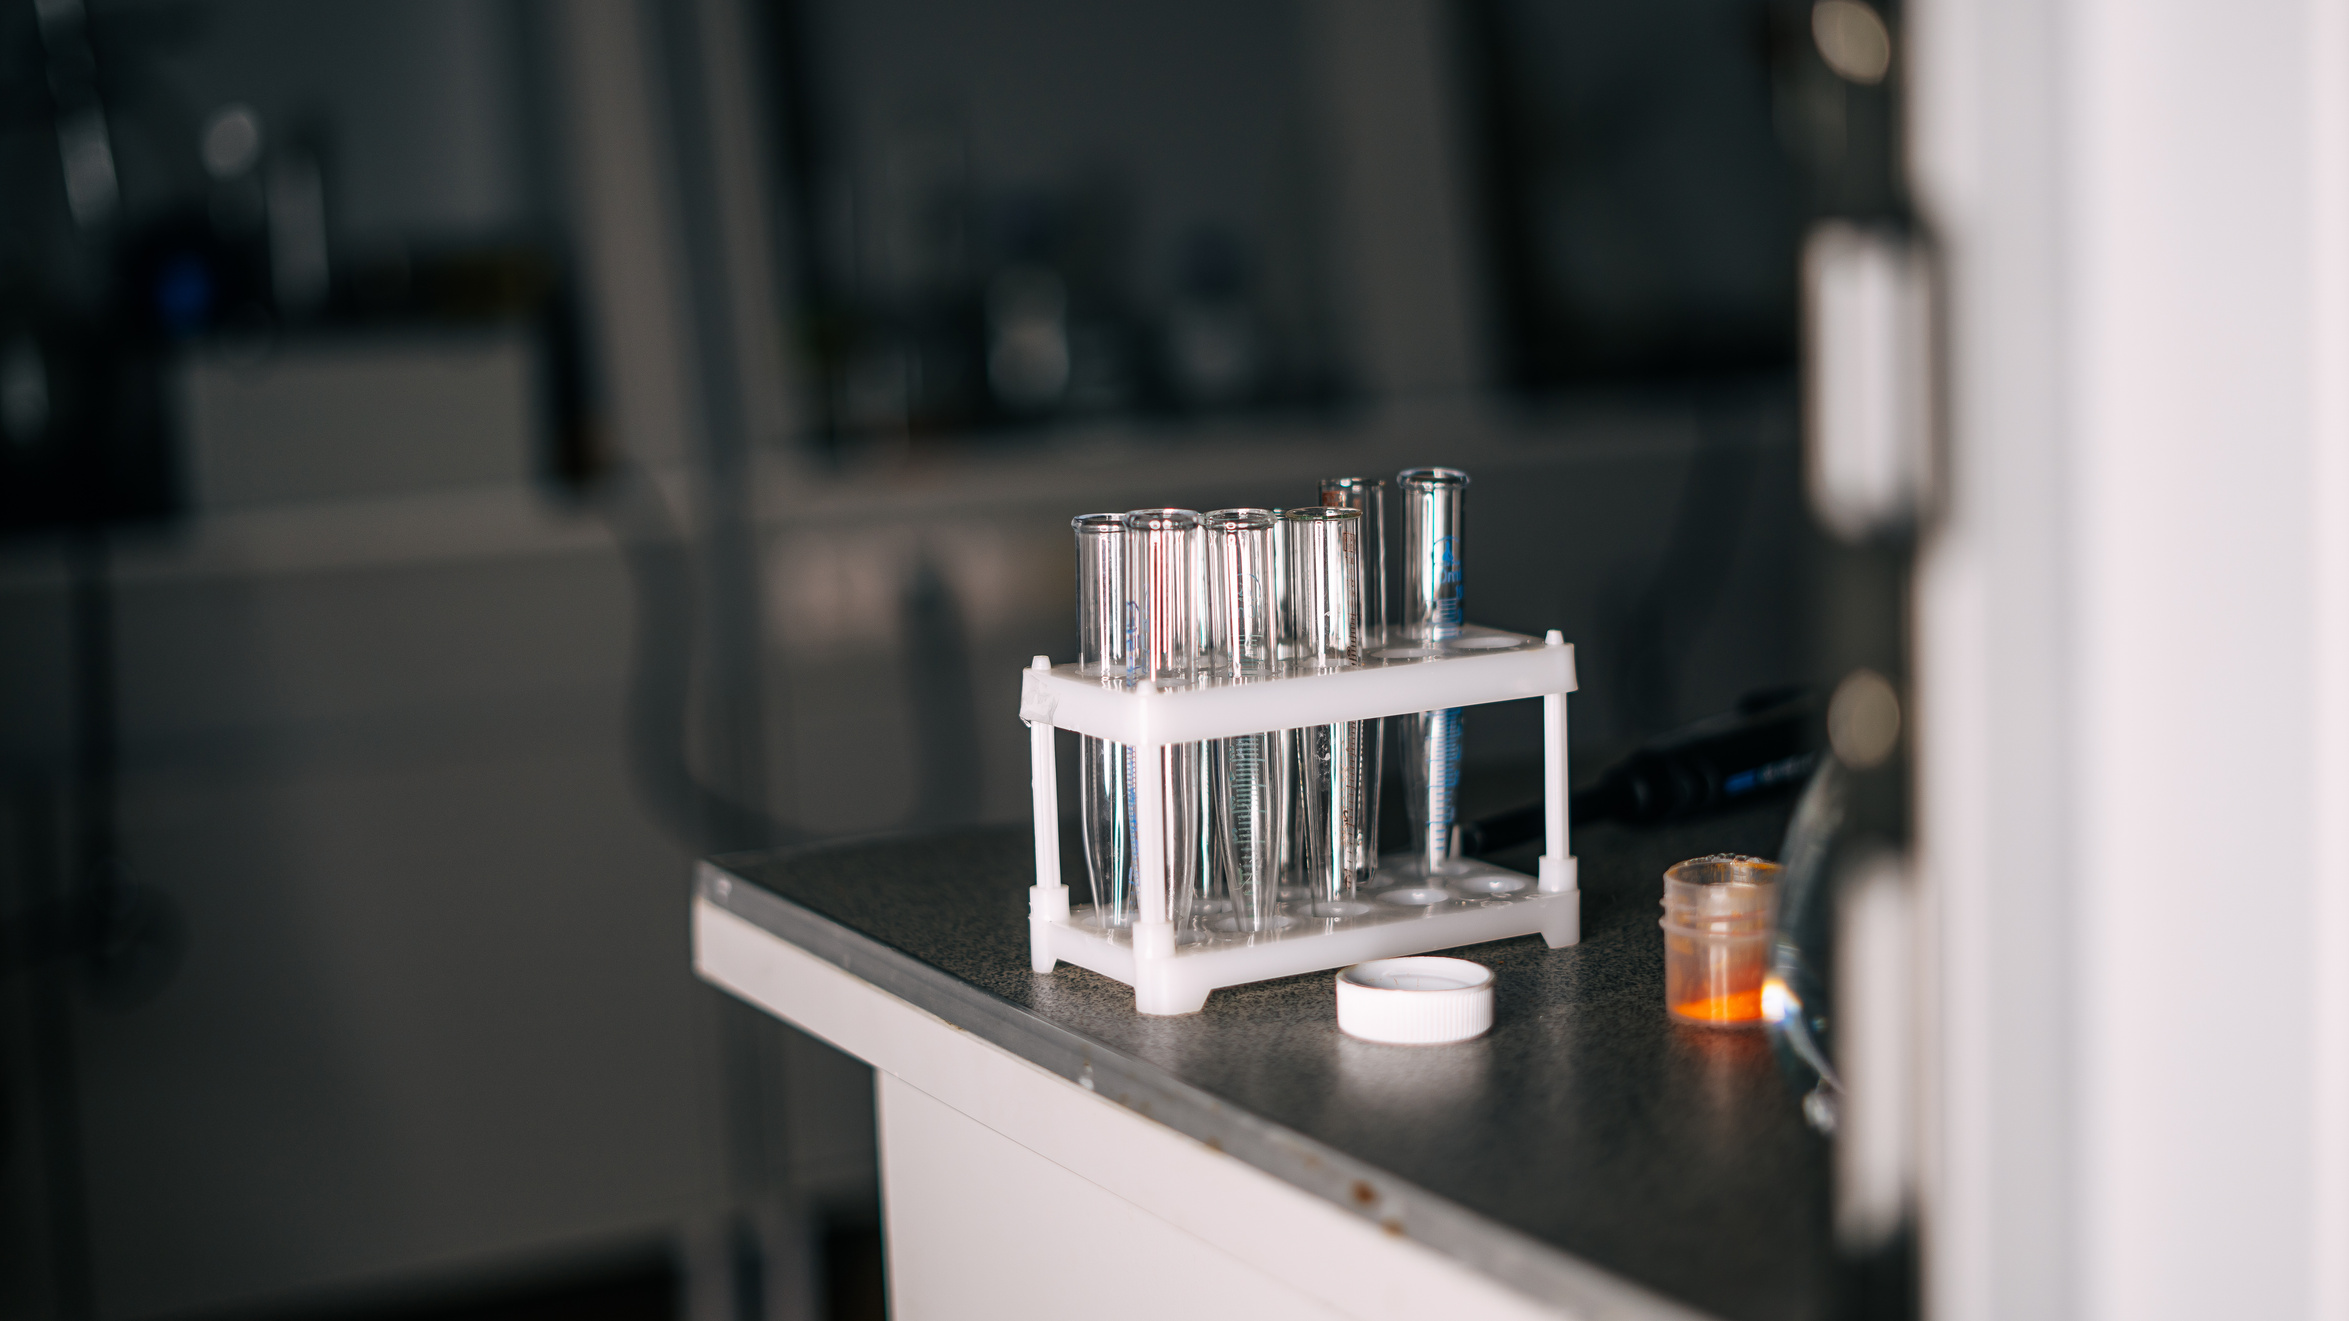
<point>1401,910</point>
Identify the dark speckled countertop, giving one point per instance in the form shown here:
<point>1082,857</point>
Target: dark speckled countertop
<point>1586,1140</point>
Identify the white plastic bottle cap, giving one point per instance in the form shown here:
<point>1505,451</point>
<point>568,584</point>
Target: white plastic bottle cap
<point>1419,1001</point>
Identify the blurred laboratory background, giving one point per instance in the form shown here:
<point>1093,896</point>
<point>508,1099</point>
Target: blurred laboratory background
<point>465,459</point>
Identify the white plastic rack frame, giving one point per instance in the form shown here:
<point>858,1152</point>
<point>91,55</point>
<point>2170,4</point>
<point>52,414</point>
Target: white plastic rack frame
<point>1403,911</point>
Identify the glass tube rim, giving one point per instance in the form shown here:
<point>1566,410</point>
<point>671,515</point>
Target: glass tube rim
<point>1320,514</point>
<point>1098,524</point>
<point>1431,479</point>
<point>1161,520</point>
<point>1247,517</point>
<point>1341,485</point>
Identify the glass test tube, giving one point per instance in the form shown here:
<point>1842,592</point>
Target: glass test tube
<point>1283,751</point>
<point>1160,643</point>
<point>1105,767</point>
<point>1369,495</point>
<point>1250,792</point>
<point>1431,613</point>
<point>1325,612</point>
<point>1205,877</point>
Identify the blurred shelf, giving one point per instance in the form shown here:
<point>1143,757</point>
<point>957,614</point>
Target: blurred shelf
<point>1059,468</point>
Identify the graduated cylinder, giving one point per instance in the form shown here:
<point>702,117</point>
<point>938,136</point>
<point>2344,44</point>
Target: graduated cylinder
<point>1251,780</point>
<point>1324,546</point>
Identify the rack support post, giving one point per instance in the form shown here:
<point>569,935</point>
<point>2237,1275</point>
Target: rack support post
<point>1558,866</point>
<point>1048,900</point>
<point>1154,935</point>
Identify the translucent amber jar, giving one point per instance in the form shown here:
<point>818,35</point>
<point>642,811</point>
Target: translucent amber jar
<point>1718,913</point>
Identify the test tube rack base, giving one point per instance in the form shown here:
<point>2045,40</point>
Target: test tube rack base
<point>1402,911</point>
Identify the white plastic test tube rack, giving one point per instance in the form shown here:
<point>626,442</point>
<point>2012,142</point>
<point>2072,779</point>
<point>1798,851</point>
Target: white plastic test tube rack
<point>1486,903</point>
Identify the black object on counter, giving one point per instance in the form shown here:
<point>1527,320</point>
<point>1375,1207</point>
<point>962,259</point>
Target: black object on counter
<point>1766,747</point>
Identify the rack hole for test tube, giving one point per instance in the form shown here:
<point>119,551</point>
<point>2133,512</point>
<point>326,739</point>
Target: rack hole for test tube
<point>1492,884</point>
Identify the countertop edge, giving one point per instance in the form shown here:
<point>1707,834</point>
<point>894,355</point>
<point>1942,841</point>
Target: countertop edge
<point>1507,1255</point>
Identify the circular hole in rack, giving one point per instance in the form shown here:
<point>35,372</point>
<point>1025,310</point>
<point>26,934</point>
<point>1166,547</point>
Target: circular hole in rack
<point>1406,653</point>
<point>1484,644</point>
<point>1488,884</point>
<point>1329,908</point>
<point>1415,896</point>
<point>1280,922</point>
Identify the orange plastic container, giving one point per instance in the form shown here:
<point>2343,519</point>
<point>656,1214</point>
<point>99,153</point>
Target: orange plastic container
<point>1718,916</point>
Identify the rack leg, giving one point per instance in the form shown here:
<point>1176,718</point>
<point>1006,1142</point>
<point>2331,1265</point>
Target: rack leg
<point>1154,937</point>
<point>1165,997</point>
<point>1558,867</point>
<point>1048,901</point>
<point>1159,986</point>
